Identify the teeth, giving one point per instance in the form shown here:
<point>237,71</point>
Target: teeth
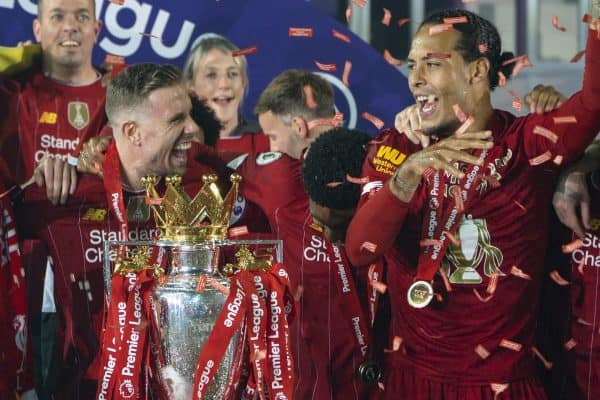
<point>183,146</point>
<point>421,98</point>
<point>70,43</point>
<point>431,98</point>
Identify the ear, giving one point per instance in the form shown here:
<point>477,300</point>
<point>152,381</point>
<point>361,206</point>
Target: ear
<point>97,27</point>
<point>131,132</point>
<point>300,127</point>
<point>478,70</point>
<point>36,30</point>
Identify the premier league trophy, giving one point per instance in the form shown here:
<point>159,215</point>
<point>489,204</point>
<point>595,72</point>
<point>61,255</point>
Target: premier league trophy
<point>188,298</point>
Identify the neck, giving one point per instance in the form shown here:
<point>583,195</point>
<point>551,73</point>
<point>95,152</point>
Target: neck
<point>131,174</point>
<point>229,127</point>
<point>73,76</point>
<point>482,111</point>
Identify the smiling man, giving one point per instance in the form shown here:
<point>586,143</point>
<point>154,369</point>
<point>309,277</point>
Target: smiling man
<point>462,222</point>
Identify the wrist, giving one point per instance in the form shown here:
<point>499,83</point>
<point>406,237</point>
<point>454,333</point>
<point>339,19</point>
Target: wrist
<point>403,188</point>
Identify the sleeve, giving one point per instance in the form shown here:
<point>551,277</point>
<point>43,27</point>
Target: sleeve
<point>550,133</point>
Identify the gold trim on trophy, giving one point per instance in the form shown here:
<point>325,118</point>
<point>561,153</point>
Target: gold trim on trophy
<point>183,220</point>
<point>249,261</point>
<point>138,261</point>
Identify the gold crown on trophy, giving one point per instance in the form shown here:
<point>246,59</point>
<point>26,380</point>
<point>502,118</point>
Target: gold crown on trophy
<point>183,220</point>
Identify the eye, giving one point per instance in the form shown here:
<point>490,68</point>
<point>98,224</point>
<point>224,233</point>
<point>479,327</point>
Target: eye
<point>432,65</point>
<point>233,74</point>
<point>211,75</point>
<point>56,17</point>
<point>411,67</point>
<point>83,17</point>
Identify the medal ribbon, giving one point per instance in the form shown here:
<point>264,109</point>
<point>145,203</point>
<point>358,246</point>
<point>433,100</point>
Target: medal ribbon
<point>375,275</point>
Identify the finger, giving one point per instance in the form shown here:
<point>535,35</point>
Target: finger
<point>38,176</point>
<point>103,144</point>
<point>585,214</point>
<point>411,135</point>
<point>49,180</point>
<point>451,155</point>
<point>65,183</point>
<point>73,180</point>
<point>438,163</point>
<point>474,135</point>
<point>464,144</point>
<point>565,210</point>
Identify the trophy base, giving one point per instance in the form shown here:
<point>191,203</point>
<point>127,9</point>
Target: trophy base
<point>465,275</point>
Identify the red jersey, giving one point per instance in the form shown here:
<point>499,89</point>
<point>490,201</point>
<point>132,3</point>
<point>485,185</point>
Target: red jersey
<point>325,353</point>
<point>41,115</point>
<point>248,142</point>
<point>473,340</point>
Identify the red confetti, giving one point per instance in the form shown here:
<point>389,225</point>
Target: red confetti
<point>580,267</point>
<point>381,386</point>
<point>493,283</point>
<point>371,247</point>
<point>501,79</point>
<point>459,113</point>
<point>498,388</point>
<point>465,125</point>
<point>468,1</point>
<point>245,51</point>
<point>348,14</point>
<point>310,99</point>
<point>238,231</point>
<point>338,118</point>
<point>340,36</point>
<point>439,28</point>
<point>456,20</point>
<point>583,322</point>
<point>441,56</point>
<point>555,24</point>
<point>458,198</point>
<point>559,280</point>
<point>510,345</point>
<point>372,119</point>
<point>547,133</point>
<point>569,344</point>
<point>571,247</point>
<point>396,343</point>
<point>119,2</point>
<point>571,119</point>
<point>523,62</point>
<point>481,298</point>
<point>517,104</point>
<point>519,273</point>
<point>390,59</point>
<point>577,56</point>
<point>326,67</point>
<point>300,32</point>
<point>445,279</point>
<point>387,17</point>
<point>430,242</point>
<point>218,286</point>
<point>112,59</point>
<point>539,355</point>
<point>380,287</point>
<point>403,21</point>
<point>346,73</point>
<point>542,158</point>
<point>201,285</point>
<point>334,184</point>
<point>587,18</point>
<point>360,3</point>
<point>153,201</point>
<point>299,292</point>
<point>455,241</point>
<point>483,48</point>
<point>482,351</point>
<point>521,206</point>
<point>358,181</point>
<point>558,160</point>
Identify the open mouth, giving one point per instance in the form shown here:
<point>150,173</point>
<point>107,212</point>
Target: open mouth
<point>70,44</point>
<point>428,105</point>
<point>179,152</point>
<point>222,100</point>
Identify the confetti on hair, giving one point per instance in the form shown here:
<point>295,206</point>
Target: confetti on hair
<point>441,56</point>
<point>492,284</point>
<point>483,48</point>
<point>462,117</point>
<point>547,364</point>
<point>430,242</point>
<point>542,158</point>
<point>348,14</point>
<point>510,345</point>
<point>346,73</point>
<point>238,231</point>
<point>501,79</point>
<point>518,272</point>
<point>201,285</point>
<point>570,119</point>
<point>334,184</point>
<point>572,246</point>
<point>245,51</point>
<point>555,24</point>
<point>390,59</point>
<point>310,98</point>
<point>360,3</point>
<point>387,17</point>
<point>569,344</point>
<point>456,20</point>
<point>357,181</point>
<point>547,133</point>
<point>372,119</point>
<point>445,279</point>
<point>114,60</point>
<point>341,36</point>
<point>558,160</point>
<point>403,21</point>
<point>559,280</point>
<point>439,28</point>
<point>150,35</point>
<point>370,247</point>
<point>577,56</point>
<point>481,298</point>
<point>300,32</point>
<point>482,351</point>
<point>326,67</point>
<point>465,125</point>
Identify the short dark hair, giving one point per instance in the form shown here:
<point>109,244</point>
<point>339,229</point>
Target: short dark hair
<point>332,157</point>
<point>132,86</point>
<point>473,33</point>
<point>39,8</point>
<point>205,118</point>
<point>285,95</point>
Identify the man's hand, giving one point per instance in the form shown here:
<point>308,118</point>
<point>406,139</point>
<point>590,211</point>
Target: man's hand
<point>440,156</point>
<point>543,99</point>
<point>408,121</point>
<point>92,155</point>
<point>572,203</point>
<point>59,178</point>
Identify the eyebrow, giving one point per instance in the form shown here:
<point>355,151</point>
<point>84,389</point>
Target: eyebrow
<point>177,118</point>
<point>78,11</point>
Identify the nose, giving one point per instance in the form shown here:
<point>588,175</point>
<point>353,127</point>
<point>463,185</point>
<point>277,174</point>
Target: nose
<point>191,128</point>
<point>70,23</point>
<point>416,78</point>
<point>224,81</point>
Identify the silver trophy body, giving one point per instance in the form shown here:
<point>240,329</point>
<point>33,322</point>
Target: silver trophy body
<point>186,317</point>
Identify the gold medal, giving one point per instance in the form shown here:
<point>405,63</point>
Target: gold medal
<point>137,209</point>
<point>419,294</point>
